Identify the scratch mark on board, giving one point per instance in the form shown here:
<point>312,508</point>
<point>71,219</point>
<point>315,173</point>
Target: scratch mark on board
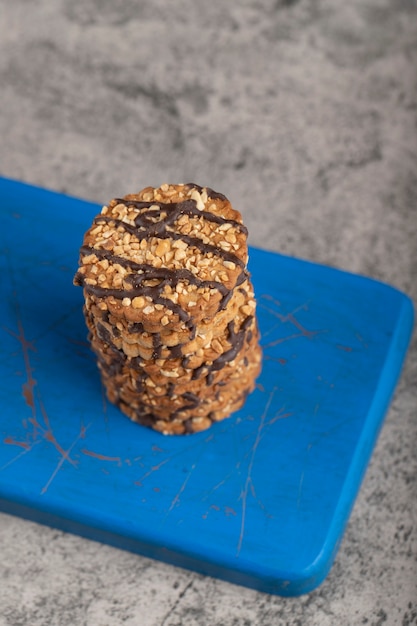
<point>217,486</point>
<point>59,323</point>
<point>181,489</point>
<point>102,457</point>
<point>344,348</point>
<point>29,385</point>
<point>287,318</point>
<point>33,399</point>
<point>49,435</point>
<point>12,442</point>
<point>306,455</point>
<point>19,455</point>
<point>249,481</point>
<point>190,472</point>
<point>151,470</point>
<point>139,482</point>
<point>229,511</point>
<point>81,435</point>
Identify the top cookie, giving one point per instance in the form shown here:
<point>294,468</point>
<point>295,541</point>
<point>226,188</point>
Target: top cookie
<point>169,256</point>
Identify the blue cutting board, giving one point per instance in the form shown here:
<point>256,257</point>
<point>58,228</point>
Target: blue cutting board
<point>260,499</point>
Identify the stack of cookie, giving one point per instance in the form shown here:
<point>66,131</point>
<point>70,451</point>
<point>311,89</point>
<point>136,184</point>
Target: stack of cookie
<point>170,307</point>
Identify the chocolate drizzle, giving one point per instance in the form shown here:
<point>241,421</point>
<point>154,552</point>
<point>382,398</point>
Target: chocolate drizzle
<point>146,229</point>
<point>214,195</point>
<point>103,333</point>
<point>193,402</point>
<point>135,327</point>
<point>174,211</point>
<point>156,343</point>
<point>236,340</point>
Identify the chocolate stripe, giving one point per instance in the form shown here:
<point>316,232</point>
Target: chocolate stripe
<point>119,294</point>
<point>236,340</point>
<point>159,230</point>
<point>172,277</point>
<point>176,209</point>
<point>214,195</point>
<point>148,272</point>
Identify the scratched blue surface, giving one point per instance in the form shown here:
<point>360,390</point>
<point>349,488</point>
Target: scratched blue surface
<point>260,499</point>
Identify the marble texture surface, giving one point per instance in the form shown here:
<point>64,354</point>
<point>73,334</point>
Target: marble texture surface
<point>304,114</point>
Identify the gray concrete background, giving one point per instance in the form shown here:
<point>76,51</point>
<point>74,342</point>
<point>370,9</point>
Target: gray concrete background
<point>304,114</point>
